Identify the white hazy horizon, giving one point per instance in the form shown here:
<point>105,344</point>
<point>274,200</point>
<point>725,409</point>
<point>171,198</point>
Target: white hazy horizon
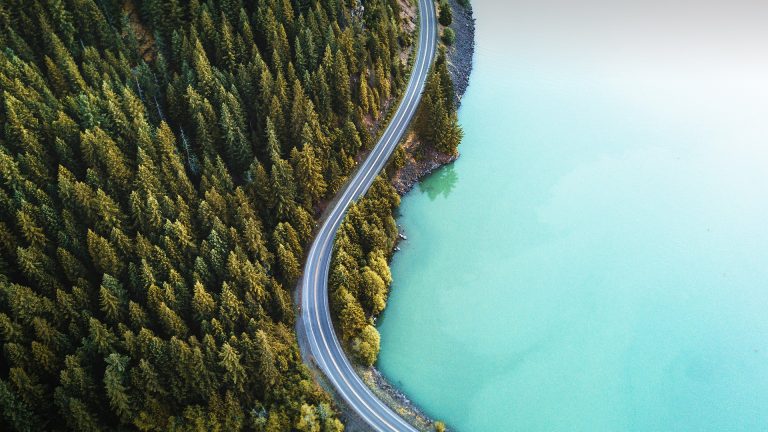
<point>709,55</point>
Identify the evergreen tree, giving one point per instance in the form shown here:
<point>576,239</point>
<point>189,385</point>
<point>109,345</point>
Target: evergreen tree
<point>161,172</point>
<point>445,16</point>
<point>342,94</point>
<point>237,149</point>
<point>309,176</point>
<point>437,122</point>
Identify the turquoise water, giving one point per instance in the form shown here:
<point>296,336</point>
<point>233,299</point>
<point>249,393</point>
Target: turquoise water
<point>597,259</point>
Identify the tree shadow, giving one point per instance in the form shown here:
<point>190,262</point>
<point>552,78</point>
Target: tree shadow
<point>440,182</point>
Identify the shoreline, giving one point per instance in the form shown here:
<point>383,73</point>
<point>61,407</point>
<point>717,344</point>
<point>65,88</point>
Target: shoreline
<point>349,417</point>
<point>460,57</point>
<point>461,54</point>
<point>460,63</point>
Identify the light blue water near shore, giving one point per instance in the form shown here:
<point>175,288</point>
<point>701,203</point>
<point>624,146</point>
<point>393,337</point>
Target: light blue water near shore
<point>597,259</point>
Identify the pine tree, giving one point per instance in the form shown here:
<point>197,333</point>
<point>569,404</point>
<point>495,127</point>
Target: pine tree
<point>30,230</point>
<point>103,254</point>
<point>237,149</point>
<point>445,17</point>
<point>226,47</point>
<point>302,112</point>
<point>144,163</point>
<point>64,62</point>
<point>265,360</point>
<point>289,264</point>
<point>112,298</point>
<point>103,155</point>
<point>229,359</point>
<point>309,176</point>
<point>342,98</point>
<point>284,187</point>
<point>274,148</point>
<point>446,83</point>
<point>436,124</point>
<point>16,413</point>
<point>363,96</point>
<point>203,304</point>
<point>113,384</point>
<point>349,139</point>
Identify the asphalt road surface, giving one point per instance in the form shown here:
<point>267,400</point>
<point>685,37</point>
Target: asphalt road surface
<point>323,344</point>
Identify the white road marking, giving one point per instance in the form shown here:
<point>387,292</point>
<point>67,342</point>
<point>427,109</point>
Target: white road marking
<point>363,178</point>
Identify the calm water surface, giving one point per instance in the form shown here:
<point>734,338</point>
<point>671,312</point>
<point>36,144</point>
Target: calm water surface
<point>597,260</point>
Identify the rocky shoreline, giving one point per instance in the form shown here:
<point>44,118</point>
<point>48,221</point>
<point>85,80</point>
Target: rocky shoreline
<point>418,166</point>
<point>460,67</point>
<point>461,53</point>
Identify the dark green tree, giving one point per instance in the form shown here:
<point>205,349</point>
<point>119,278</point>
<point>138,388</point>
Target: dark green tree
<point>162,164</point>
<point>445,17</point>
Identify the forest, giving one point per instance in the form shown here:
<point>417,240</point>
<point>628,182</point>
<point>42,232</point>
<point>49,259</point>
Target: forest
<point>162,167</point>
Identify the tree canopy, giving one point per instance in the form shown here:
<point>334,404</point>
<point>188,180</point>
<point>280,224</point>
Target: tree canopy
<point>360,276</point>
<point>436,122</point>
<point>162,163</point>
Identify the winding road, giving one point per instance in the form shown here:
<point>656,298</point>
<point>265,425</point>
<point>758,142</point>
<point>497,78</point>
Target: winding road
<point>325,349</point>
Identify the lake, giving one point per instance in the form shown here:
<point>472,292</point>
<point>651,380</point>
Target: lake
<point>597,259</point>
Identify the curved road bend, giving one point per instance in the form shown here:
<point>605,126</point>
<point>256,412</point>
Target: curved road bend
<point>315,311</point>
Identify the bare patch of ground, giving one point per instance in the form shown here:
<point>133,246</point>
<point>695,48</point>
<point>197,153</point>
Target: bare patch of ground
<point>146,40</point>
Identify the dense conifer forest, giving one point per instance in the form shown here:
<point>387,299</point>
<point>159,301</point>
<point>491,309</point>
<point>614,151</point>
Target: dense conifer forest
<point>162,166</point>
